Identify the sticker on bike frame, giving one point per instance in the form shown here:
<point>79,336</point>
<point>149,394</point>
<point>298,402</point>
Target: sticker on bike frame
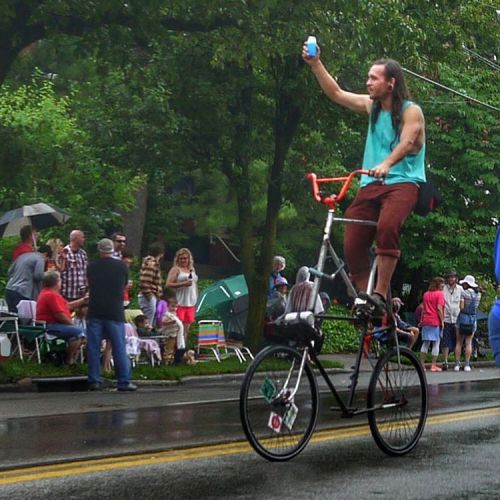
<point>275,422</point>
<point>268,389</point>
<point>290,416</point>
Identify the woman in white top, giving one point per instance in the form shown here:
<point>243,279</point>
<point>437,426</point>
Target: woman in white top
<point>183,279</point>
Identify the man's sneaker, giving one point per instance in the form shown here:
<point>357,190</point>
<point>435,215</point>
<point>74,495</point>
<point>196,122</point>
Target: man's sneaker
<point>377,303</point>
<point>129,387</point>
<point>444,367</point>
<point>456,368</point>
<point>435,368</point>
<point>467,368</point>
<point>95,387</point>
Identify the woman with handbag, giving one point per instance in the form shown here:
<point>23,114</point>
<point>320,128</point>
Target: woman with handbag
<point>466,321</point>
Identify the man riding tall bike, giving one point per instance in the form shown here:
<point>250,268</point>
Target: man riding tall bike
<point>394,154</point>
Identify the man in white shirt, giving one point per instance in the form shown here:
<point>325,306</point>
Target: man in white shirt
<point>452,293</point>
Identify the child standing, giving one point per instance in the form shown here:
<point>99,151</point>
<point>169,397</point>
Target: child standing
<point>172,329</point>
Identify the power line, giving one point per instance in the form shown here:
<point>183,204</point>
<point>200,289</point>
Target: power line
<point>456,92</point>
<point>481,58</point>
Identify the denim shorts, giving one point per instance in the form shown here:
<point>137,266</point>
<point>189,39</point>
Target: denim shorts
<point>65,332</point>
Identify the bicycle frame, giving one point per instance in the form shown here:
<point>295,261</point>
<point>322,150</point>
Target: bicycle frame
<point>326,248</point>
<point>326,251</point>
<point>281,395</point>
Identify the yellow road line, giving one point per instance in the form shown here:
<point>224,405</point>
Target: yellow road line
<point>129,461</point>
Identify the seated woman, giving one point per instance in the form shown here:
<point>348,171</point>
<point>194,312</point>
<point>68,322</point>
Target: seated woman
<point>53,308</point>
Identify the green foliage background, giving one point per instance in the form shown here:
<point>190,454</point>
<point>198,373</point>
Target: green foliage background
<point>184,100</point>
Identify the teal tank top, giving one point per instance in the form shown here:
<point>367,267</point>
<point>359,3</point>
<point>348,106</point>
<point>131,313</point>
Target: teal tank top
<point>380,141</point>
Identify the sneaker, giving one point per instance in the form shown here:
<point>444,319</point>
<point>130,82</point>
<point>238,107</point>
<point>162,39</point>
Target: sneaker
<point>435,368</point>
<point>377,302</point>
<point>129,387</point>
<point>467,368</point>
<point>444,367</point>
<point>456,368</point>
<point>95,387</point>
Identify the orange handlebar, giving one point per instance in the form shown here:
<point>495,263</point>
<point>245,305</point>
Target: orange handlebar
<point>332,200</point>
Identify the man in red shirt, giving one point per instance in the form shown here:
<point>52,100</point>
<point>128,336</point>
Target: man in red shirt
<point>55,310</point>
<point>28,241</point>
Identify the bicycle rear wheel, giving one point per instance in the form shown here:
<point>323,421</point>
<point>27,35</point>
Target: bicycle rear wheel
<point>398,394</point>
<point>278,423</point>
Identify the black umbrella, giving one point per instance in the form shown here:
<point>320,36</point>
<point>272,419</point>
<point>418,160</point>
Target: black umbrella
<point>39,215</point>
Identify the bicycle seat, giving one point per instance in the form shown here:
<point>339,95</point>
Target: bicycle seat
<point>298,327</point>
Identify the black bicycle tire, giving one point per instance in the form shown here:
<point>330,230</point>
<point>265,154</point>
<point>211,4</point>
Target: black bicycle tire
<point>376,427</point>
<point>258,443</point>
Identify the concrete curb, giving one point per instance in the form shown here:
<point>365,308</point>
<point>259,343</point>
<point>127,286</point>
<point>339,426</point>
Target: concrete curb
<point>79,381</point>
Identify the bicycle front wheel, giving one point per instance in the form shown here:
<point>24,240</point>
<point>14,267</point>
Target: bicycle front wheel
<point>278,403</point>
<point>398,396</point>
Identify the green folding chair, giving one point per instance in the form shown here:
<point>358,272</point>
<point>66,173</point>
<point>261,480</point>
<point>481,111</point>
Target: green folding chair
<point>33,338</point>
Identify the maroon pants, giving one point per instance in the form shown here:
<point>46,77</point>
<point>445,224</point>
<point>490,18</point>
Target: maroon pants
<point>390,205</point>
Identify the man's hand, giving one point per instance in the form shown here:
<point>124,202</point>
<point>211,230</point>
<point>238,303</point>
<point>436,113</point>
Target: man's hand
<point>380,171</point>
<point>307,58</point>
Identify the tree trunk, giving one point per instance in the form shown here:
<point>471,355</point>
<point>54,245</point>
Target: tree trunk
<point>287,118</point>
<point>134,221</point>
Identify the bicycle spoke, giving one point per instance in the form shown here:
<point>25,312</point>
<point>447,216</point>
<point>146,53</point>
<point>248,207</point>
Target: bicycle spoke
<point>398,394</point>
<point>278,408</point>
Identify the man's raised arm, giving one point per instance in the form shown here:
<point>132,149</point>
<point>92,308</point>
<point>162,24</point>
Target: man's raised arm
<point>360,103</point>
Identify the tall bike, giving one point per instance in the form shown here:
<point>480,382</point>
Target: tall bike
<point>279,396</point>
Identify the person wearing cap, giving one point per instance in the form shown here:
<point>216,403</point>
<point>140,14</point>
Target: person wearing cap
<point>467,324</point>
<point>275,306</point>
<point>452,296</point>
<point>404,329</point>
<point>279,264</point>
<point>494,316</point>
<point>107,279</point>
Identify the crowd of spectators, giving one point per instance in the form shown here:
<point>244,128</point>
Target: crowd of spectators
<point>84,303</point>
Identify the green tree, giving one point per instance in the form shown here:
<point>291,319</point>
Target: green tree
<point>53,159</point>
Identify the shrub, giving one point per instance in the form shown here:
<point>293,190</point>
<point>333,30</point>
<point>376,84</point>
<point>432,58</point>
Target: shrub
<point>340,336</point>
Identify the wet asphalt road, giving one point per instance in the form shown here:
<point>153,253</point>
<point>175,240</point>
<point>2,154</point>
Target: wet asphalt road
<point>455,460</point>
<point>65,426</point>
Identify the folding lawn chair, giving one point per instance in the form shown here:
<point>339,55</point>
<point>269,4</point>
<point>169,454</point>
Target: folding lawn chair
<point>9,331</point>
<point>211,337</point>
<point>135,345</point>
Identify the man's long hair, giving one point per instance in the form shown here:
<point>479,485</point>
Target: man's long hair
<point>392,69</point>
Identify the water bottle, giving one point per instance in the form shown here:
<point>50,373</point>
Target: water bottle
<point>312,46</point>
